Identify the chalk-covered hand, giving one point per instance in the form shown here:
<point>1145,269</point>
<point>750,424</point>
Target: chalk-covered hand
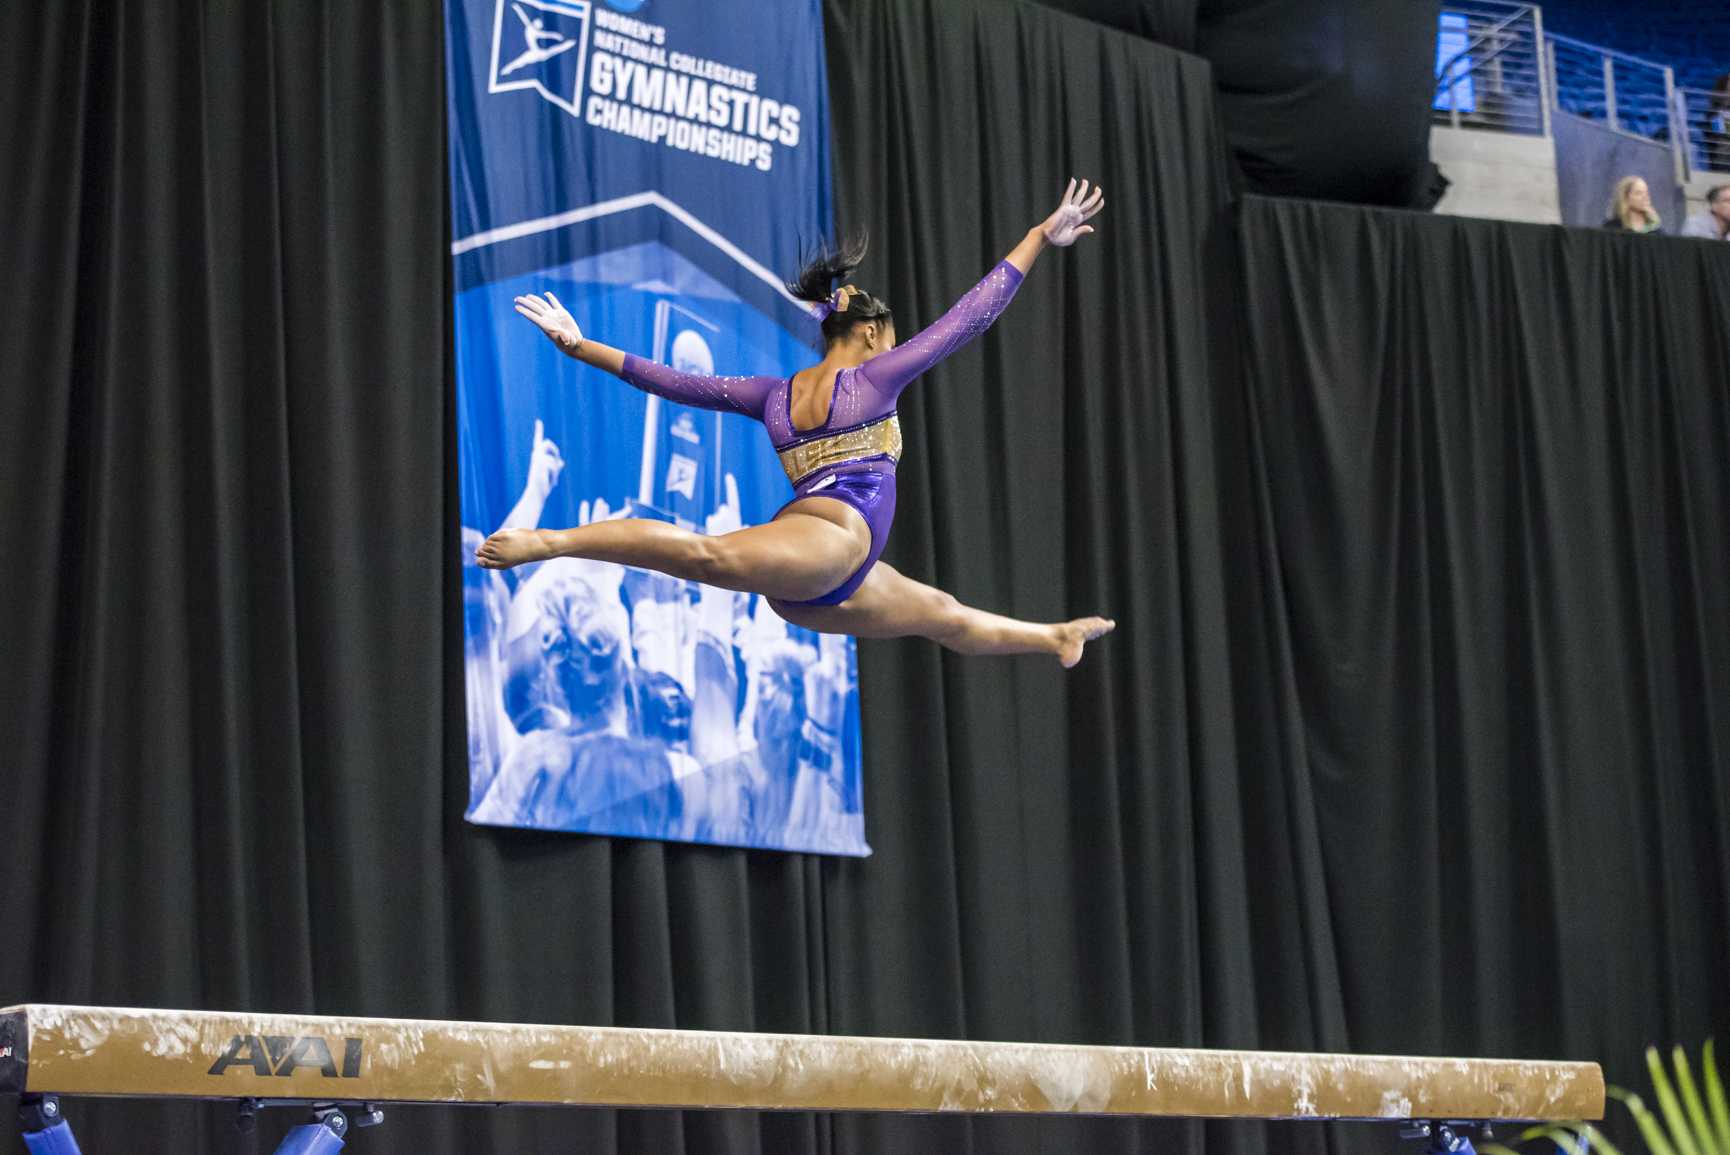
<point>554,320</point>
<point>1063,227</point>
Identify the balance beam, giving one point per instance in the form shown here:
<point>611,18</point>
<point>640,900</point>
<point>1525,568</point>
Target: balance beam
<point>73,1050</point>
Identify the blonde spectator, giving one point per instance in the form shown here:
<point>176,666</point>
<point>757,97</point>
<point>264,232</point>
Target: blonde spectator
<point>1631,209</point>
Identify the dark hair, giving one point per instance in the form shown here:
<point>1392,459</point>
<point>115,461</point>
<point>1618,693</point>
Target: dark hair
<point>816,283</point>
<point>1716,191</point>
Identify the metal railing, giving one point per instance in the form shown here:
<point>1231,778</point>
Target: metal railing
<point>1490,69</point>
<point>1702,121</point>
<point>1497,69</point>
<point>1622,92</point>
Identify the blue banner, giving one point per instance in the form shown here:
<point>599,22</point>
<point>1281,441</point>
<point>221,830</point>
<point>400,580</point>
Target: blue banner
<point>658,165</point>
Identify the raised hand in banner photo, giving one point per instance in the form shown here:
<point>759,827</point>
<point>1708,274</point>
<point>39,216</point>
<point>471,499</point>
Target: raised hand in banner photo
<point>545,465</point>
<point>726,518</point>
<point>835,429</point>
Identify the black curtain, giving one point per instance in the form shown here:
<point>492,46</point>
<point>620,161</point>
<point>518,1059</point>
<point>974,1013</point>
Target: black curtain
<point>1493,464</point>
<point>223,402</point>
<point>1170,22</point>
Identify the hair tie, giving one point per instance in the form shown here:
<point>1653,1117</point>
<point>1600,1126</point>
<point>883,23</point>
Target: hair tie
<point>837,302</point>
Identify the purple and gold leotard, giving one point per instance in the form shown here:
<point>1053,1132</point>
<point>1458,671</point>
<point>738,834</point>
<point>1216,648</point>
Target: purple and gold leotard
<point>851,456</point>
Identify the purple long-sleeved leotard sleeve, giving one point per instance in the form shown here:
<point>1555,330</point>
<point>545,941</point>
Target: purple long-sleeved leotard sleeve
<point>891,372</point>
<point>870,391</point>
<point>745,395</point>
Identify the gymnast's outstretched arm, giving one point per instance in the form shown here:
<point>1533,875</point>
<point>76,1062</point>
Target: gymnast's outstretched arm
<point>732,394</point>
<point>892,371</point>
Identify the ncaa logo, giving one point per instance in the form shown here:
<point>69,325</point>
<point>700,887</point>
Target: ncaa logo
<point>541,45</point>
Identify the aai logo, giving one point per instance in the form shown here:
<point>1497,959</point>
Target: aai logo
<point>541,45</point>
<point>282,1055</point>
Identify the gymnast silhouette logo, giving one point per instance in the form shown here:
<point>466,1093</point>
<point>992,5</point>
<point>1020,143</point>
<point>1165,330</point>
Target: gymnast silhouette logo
<point>682,476</point>
<point>541,46</point>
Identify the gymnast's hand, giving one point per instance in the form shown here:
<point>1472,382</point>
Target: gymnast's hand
<point>554,319</point>
<point>1063,227</point>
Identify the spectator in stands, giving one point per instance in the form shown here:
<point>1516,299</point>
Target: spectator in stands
<point>1714,223</point>
<point>1631,210</point>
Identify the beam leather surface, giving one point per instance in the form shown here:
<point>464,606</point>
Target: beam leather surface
<point>204,1054</point>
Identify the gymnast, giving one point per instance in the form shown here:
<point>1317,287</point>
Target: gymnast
<point>835,428</point>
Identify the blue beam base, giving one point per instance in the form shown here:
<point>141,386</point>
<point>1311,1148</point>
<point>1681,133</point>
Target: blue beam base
<point>312,1139</point>
<point>56,1140</point>
<point>46,1131</point>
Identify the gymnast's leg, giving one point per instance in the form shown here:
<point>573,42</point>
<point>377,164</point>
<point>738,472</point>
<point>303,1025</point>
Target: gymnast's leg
<point>891,605</point>
<point>810,548</point>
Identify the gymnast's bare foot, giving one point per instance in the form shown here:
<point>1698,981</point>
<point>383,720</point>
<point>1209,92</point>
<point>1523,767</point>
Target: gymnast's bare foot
<point>1072,636</point>
<point>509,547</point>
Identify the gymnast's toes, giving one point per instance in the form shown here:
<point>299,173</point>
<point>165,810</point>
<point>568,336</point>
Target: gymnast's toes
<point>511,547</point>
<point>1073,636</point>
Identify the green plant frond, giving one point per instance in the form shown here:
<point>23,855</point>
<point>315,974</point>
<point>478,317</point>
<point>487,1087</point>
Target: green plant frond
<point>1540,1131</point>
<point>1650,1129</point>
<point>1691,1102</point>
<point>1572,1138</point>
<point>1715,1098</point>
<point>1596,1141</point>
<point>1569,1138</point>
<point>1680,1136</point>
<point>1559,1134</point>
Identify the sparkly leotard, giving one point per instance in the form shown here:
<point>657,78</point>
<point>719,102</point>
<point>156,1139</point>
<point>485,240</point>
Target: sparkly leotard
<point>851,457</point>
